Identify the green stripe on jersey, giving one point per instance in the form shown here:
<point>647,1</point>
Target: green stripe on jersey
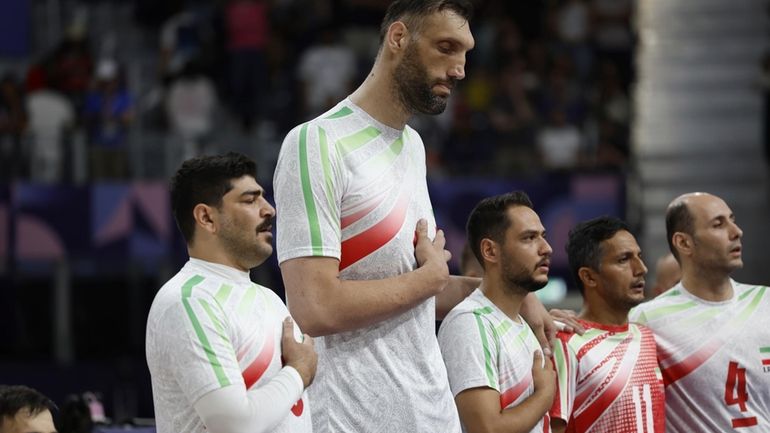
<point>384,158</point>
<point>219,372</point>
<point>323,143</point>
<point>344,111</point>
<point>747,293</point>
<point>485,345</point>
<point>358,139</point>
<point>746,313</point>
<point>223,294</point>
<point>764,350</point>
<point>662,311</point>
<point>307,192</point>
<point>247,301</point>
<point>217,324</point>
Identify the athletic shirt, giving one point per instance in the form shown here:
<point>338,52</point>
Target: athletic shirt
<point>210,327</point>
<point>483,347</point>
<point>608,380</point>
<point>715,358</point>
<point>349,187</point>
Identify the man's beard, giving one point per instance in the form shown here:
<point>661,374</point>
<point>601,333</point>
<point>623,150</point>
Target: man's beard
<point>519,277</point>
<point>241,245</point>
<point>413,88</point>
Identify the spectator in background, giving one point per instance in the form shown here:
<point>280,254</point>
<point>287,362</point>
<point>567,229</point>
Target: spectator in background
<point>71,70</point>
<point>559,143</point>
<point>667,274</point>
<point>108,113</point>
<point>326,71</point>
<point>51,117</point>
<point>248,33</point>
<point>13,120</point>
<point>191,102</point>
<point>25,410</point>
<point>514,121</point>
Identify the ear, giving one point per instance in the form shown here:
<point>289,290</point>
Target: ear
<point>396,37</point>
<point>489,250</point>
<point>206,217</point>
<point>683,243</point>
<point>587,277</point>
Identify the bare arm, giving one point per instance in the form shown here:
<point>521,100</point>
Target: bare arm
<point>480,407</point>
<point>456,290</point>
<point>324,304</point>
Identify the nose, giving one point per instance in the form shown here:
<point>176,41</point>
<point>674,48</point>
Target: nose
<point>639,267</point>
<point>736,232</point>
<point>267,211</point>
<point>458,71</point>
<point>546,249</point>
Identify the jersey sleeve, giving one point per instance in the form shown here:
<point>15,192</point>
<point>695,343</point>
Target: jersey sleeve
<point>196,342</point>
<point>566,366</point>
<point>636,315</point>
<point>308,194</point>
<point>470,348</point>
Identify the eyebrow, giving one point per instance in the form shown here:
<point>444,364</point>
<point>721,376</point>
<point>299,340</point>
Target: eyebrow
<point>252,192</point>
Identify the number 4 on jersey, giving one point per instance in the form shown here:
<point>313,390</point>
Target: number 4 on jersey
<point>735,393</point>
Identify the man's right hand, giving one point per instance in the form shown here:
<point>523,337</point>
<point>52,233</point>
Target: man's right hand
<point>431,254</point>
<point>543,376</point>
<point>300,355</point>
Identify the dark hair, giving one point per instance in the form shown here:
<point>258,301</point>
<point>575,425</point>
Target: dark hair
<point>14,398</point>
<point>205,179</point>
<point>678,219</point>
<point>412,12</point>
<point>584,243</point>
<point>489,219</point>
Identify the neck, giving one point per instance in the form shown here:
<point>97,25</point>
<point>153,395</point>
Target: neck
<point>507,299</point>
<point>213,254</point>
<point>603,315</point>
<point>707,284</point>
<point>376,96</point>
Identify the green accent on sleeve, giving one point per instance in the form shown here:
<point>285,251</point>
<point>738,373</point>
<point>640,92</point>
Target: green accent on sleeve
<point>342,112</point>
<point>764,350</point>
<point>562,370</point>
<point>223,294</point>
<point>747,293</point>
<point>485,346</point>
<point>503,328</point>
<point>217,324</point>
<point>352,142</point>
<point>746,313</point>
<point>307,191</point>
<point>323,143</point>
<point>216,365</point>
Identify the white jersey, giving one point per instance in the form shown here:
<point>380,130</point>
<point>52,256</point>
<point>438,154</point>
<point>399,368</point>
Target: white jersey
<point>210,327</point>
<point>349,187</point>
<point>714,357</point>
<point>483,347</point>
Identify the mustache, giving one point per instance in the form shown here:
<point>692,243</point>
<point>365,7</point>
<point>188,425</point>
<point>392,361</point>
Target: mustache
<point>449,82</point>
<point>546,261</point>
<point>266,224</point>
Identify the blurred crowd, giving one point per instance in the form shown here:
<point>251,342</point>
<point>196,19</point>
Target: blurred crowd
<point>547,86</point>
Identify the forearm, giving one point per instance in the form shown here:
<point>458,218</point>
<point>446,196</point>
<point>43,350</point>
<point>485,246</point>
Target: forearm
<point>521,418</point>
<point>324,304</point>
<point>457,289</point>
<point>234,410</point>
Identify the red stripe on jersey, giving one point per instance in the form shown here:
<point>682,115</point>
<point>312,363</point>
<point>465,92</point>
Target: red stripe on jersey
<point>744,422</point>
<point>674,372</point>
<point>368,241</point>
<point>766,362</point>
<point>350,219</point>
<point>620,374</point>
<point>512,394</point>
<point>257,368</point>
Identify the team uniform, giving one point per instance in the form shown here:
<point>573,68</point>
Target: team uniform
<point>483,347</point>
<point>608,380</point>
<point>210,327</point>
<point>349,187</point>
<point>715,358</point>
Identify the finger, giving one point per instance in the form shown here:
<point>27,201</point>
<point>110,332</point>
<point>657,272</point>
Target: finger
<point>537,359</point>
<point>288,328</point>
<point>422,228</point>
<point>306,339</point>
<point>440,239</point>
